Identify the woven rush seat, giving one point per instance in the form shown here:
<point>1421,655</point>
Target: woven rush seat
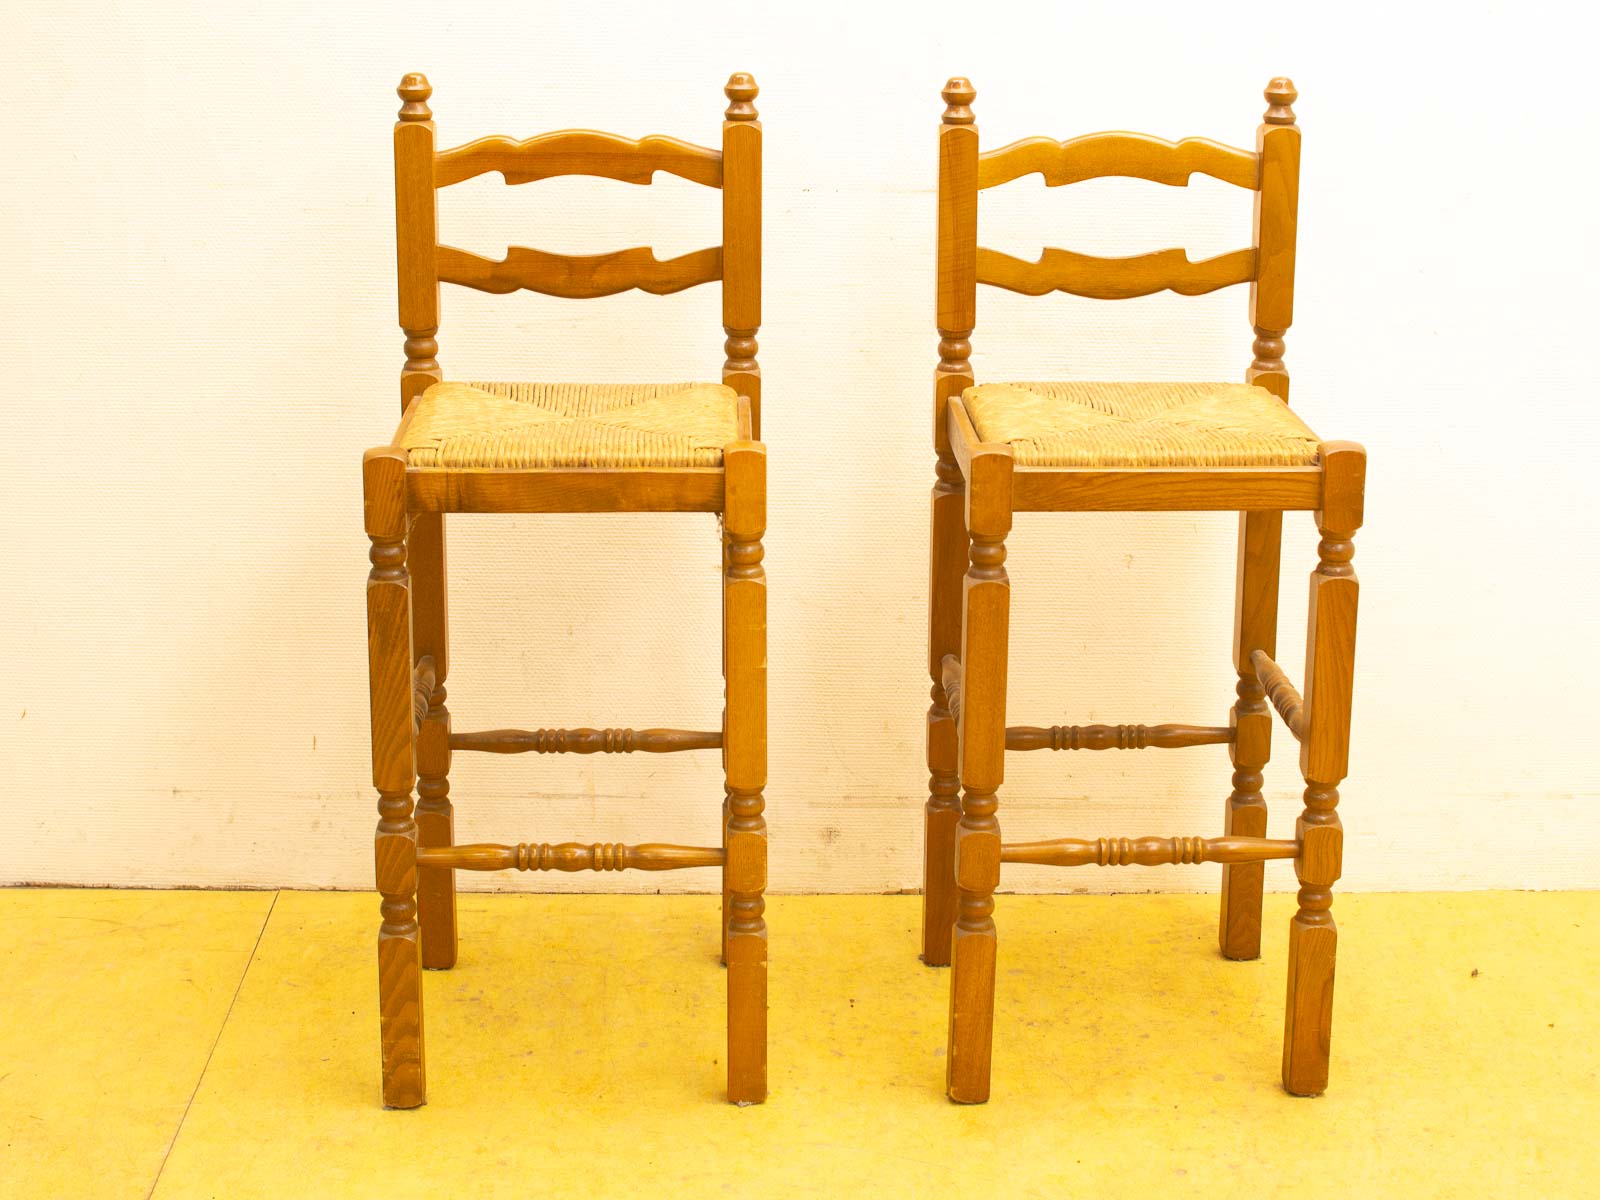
<point>1141,425</point>
<point>523,425</point>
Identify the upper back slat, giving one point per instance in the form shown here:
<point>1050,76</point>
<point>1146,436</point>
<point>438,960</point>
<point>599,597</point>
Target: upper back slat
<point>1131,155</point>
<point>578,152</point>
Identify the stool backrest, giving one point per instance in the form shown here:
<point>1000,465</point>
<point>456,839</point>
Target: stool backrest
<point>420,171</point>
<point>1272,171</point>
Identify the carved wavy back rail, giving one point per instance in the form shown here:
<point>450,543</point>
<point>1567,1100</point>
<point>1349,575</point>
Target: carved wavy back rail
<point>578,277</point>
<point>1114,278</point>
<point>1128,155</point>
<point>578,152</point>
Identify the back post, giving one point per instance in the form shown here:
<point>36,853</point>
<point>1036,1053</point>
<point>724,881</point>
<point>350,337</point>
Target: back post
<point>416,217</point>
<point>1276,211</point>
<point>958,252</point>
<point>1255,621</point>
<point>956,304</point>
<point>741,242</point>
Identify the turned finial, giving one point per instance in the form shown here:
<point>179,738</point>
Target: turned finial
<point>958,96</point>
<point>415,89</point>
<point>1280,96</point>
<point>741,93</point>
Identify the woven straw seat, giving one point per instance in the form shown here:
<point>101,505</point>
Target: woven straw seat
<point>1141,425</point>
<point>523,425</point>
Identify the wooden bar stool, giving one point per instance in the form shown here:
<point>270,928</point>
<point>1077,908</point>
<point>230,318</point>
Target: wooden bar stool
<point>524,447</point>
<point>1085,447</point>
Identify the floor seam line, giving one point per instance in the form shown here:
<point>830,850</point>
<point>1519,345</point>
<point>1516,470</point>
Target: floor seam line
<point>221,1029</point>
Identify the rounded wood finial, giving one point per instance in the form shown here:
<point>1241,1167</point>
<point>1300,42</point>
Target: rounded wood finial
<point>1280,96</point>
<point>415,89</point>
<point>741,93</point>
<point>958,96</point>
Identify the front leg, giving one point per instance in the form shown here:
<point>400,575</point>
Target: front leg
<point>391,676</point>
<point>1324,761</point>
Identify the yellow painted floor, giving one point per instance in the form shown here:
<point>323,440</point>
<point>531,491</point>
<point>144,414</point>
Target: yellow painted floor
<point>176,1044</point>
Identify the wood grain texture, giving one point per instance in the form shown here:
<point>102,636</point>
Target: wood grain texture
<point>1255,629</point>
<point>1147,852</point>
<point>579,277</point>
<point>745,765</point>
<point>1285,697</point>
<point>1114,278</point>
<point>968,688</point>
<point>741,242</point>
<point>1115,737</point>
<point>567,489</point>
<point>578,152</point>
<point>1228,489</point>
<point>586,741</point>
<point>956,300</point>
<point>946,569</point>
<point>1275,227</point>
<point>430,636</point>
<point>1324,761</point>
<point>416,219</point>
<point>570,856</point>
<point>392,685</point>
<point>416,854</point>
<point>981,732</point>
<point>1133,155</point>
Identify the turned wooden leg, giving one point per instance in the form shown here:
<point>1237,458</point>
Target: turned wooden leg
<point>745,755</point>
<point>948,563</point>
<point>1255,627</point>
<point>1324,761</point>
<point>727,894</point>
<point>985,627</point>
<point>391,671</point>
<point>436,886</point>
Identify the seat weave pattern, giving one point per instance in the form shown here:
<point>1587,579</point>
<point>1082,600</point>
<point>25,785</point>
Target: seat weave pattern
<point>1111,425</point>
<point>523,425</point>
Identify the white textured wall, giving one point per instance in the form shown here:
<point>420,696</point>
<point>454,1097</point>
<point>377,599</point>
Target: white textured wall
<point>198,304</point>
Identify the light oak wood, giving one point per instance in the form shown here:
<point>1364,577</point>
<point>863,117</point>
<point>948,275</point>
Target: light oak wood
<point>1324,761</point>
<point>745,764</point>
<point>571,856</point>
<point>579,277</point>
<point>947,568</point>
<point>1255,631</point>
<point>741,244</point>
<point>1114,278</point>
<point>1283,694</point>
<point>408,635</point>
<point>957,286</point>
<point>1147,852</point>
<point>416,218</point>
<point>569,489</point>
<point>1275,221</point>
<point>1115,737</point>
<point>391,674</point>
<point>956,309</point>
<point>578,152</point>
<point>981,738</point>
<point>587,741</point>
<point>1132,155</point>
<point>966,718</point>
<point>1226,489</point>
<point>430,636</point>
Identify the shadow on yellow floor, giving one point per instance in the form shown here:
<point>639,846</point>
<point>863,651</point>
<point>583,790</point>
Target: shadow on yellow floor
<point>577,1049</point>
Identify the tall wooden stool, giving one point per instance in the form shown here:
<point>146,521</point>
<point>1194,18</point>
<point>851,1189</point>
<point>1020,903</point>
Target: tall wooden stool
<point>1100,447</point>
<point>540,447</point>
